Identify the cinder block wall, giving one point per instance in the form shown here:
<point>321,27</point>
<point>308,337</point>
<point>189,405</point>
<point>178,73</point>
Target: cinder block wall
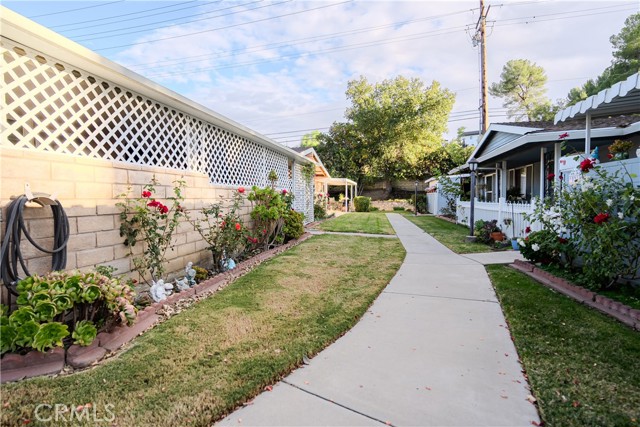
<point>88,189</point>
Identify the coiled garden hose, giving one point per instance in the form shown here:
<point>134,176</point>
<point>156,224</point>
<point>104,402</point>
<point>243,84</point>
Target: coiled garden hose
<point>10,252</point>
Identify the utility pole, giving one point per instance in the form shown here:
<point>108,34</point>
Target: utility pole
<point>481,38</point>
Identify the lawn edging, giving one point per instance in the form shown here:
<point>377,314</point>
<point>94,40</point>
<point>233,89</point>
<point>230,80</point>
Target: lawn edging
<point>16,367</point>
<point>623,313</point>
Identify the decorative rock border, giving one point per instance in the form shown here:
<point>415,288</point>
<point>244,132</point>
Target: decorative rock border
<point>15,367</point>
<point>615,309</point>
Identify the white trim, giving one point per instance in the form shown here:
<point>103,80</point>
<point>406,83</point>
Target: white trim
<point>24,31</point>
<point>552,136</point>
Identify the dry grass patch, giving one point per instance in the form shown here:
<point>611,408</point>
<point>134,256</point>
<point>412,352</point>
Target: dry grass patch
<point>202,363</point>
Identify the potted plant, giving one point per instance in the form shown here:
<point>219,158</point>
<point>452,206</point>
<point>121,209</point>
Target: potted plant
<point>619,150</point>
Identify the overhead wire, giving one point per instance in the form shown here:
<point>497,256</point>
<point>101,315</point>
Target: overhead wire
<point>139,29</point>
<point>74,10</point>
<point>226,27</point>
<point>106,18</point>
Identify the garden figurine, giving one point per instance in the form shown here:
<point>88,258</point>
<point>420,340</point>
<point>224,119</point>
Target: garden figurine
<point>160,291</point>
<point>190,274</point>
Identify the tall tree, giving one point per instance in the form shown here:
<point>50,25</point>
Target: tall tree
<point>310,139</point>
<point>399,121</point>
<point>522,87</point>
<point>626,61</point>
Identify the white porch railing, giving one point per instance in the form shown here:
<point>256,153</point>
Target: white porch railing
<point>500,211</point>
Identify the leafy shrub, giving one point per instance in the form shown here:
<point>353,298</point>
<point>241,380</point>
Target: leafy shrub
<point>483,230</point>
<point>52,307</point>
<point>223,229</point>
<point>398,208</point>
<point>362,203</point>
<point>151,222</point>
<point>268,213</point>
<point>599,214</point>
<point>319,212</point>
<point>293,225</point>
<point>373,209</point>
<point>541,246</point>
<point>201,273</point>
<point>422,203</point>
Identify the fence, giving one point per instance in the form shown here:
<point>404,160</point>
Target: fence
<point>76,125</point>
<point>510,216</point>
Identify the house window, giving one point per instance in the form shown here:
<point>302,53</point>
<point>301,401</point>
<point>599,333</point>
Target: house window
<point>489,188</point>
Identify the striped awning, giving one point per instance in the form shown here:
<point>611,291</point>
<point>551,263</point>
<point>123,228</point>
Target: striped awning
<point>621,98</point>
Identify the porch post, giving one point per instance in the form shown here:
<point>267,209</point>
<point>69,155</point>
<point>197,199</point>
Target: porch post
<point>557,148</point>
<point>346,196</point>
<point>503,179</point>
<point>587,136</point>
<point>542,177</point>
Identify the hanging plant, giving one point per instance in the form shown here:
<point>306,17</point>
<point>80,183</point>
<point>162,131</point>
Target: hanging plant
<point>308,171</point>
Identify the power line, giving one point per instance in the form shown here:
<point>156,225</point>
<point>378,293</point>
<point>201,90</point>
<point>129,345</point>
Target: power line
<point>226,27</point>
<point>132,13</point>
<point>74,10</point>
<point>289,43</point>
<point>85,37</point>
<point>410,37</point>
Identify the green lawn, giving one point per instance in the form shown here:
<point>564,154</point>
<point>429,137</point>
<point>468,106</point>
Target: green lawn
<point>584,367</point>
<point>204,362</point>
<point>451,235</point>
<point>359,222</point>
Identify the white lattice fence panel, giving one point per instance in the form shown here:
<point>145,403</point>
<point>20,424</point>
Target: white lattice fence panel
<point>51,106</point>
<point>304,192</point>
<point>280,164</point>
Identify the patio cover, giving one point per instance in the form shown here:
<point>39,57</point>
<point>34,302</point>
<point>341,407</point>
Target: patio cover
<point>621,98</point>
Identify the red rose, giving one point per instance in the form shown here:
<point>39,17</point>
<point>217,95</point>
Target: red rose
<point>238,226</point>
<point>284,192</point>
<point>223,224</point>
<point>551,176</point>
<point>562,240</point>
<point>146,194</point>
<point>153,204</point>
<point>601,217</point>
<point>241,190</point>
<point>586,164</point>
<point>527,230</point>
<point>561,177</point>
<point>609,156</point>
<point>264,231</point>
<point>564,135</point>
<point>163,209</point>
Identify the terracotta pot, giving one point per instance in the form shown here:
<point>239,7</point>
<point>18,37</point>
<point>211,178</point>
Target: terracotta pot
<point>497,236</point>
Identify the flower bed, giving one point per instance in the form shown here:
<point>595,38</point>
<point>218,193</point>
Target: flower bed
<point>15,367</point>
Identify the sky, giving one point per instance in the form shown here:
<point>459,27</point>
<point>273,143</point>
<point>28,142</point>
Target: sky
<point>282,67</point>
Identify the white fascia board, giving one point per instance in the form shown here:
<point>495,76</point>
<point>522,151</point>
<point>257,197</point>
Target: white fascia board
<point>521,130</point>
<point>579,134</point>
<point>21,30</point>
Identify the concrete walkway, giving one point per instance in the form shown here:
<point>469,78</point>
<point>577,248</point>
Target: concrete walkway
<point>433,350</point>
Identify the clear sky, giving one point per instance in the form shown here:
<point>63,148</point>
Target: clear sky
<point>281,67</point>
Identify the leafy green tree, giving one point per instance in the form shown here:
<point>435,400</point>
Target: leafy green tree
<point>522,87</point>
<point>310,139</point>
<point>391,126</point>
<point>626,61</point>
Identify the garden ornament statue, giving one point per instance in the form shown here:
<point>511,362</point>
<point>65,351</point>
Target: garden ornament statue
<point>190,274</point>
<point>595,155</point>
<point>227,263</point>
<point>160,290</point>
<point>182,284</point>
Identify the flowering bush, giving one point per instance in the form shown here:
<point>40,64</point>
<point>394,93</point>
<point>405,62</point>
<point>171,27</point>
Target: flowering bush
<point>148,220</point>
<point>598,220</point>
<point>52,307</point>
<point>541,246</point>
<point>269,209</point>
<point>319,206</point>
<point>223,229</point>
